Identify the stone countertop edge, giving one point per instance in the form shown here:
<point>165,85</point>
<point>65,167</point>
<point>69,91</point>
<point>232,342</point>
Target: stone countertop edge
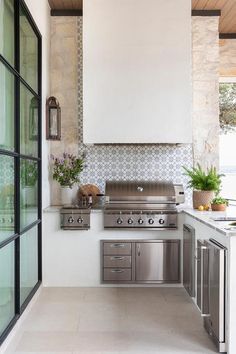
<point>57,208</point>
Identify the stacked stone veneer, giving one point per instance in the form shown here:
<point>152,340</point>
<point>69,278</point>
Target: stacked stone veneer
<point>228,57</point>
<point>205,76</point>
<point>64,86</point>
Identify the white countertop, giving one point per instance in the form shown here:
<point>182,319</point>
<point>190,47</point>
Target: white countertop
<point>206,217</point>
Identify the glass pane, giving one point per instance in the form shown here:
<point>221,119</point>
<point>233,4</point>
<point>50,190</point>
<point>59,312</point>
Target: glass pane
<point>28,192</point>
<point>7,303</point>
<point>28,52</point>
<point>6,108</point>
<point>6,197</point>
<point>28,122</point>
<point>28,262</point>
<point>7,30</point>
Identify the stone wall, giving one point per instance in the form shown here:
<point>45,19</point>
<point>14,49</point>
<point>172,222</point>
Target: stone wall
<point>205,76</point>
<point>64,86</point>
<point>228,57</point>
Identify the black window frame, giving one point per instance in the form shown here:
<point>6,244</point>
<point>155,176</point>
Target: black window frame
<point>17,156</point>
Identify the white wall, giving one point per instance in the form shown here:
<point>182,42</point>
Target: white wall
<point>137,71</point>
<point>40,11</point>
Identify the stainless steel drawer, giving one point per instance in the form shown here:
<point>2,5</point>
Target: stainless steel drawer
<point>117,248</point>
<point>117,274</point>
<point>117,261</point>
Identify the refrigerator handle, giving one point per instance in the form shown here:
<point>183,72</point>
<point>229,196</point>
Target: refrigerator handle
<point>204,282</point>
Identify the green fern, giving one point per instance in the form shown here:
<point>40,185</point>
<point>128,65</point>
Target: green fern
<point>203,181</point>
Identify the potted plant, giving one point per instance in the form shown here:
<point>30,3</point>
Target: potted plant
<point>205,184</point>
<point>29,177</point>
<point>219,204</point>
<point>66,172</point>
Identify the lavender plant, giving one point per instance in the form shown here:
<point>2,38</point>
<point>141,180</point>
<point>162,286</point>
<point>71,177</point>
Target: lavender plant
<point>66,170</point>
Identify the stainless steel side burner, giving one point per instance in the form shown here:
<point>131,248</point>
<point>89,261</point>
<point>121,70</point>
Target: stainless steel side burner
<point>75,218</point>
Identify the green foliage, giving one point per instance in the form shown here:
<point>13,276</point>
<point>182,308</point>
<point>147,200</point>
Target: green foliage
<point>29,173</point>
<point>227,107</point>
<point>66,170</point>
<point>203,181</point>
<point>219,200</point>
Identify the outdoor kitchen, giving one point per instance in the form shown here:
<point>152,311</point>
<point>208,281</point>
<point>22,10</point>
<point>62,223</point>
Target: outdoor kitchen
<point>117,210</point>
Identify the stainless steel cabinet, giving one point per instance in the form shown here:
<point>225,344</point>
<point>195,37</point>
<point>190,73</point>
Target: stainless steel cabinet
<point>189,259</point>
<point>211,289</point>
<point>116,261</point>
<point>157,261</point>
<point>140,261</point>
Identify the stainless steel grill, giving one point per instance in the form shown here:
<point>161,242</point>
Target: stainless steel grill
<point>141,204</point>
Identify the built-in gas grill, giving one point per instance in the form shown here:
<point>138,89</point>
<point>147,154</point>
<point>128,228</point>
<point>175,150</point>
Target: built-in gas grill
<point>142,205</point>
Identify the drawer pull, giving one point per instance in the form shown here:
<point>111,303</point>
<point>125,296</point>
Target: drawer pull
<point>114,258</point>
<point>118,245</point>
<point>117,271</point>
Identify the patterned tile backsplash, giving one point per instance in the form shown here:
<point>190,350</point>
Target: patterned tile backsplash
<point>128,162</point>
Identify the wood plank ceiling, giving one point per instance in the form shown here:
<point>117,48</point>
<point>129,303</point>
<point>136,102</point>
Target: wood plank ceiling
<point>228,12</point>
<point>227,7</point>
<point>66,4</point>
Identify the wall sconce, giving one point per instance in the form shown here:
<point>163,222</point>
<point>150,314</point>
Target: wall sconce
<point>53,119</point>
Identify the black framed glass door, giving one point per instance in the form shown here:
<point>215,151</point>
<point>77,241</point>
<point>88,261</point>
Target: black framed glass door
<point>20,161</point>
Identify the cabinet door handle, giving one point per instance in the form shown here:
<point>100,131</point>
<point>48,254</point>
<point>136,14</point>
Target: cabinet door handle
<point>117,258</point>
<point>117,271</point>
<point>138,249</point>
<point>118,245</point>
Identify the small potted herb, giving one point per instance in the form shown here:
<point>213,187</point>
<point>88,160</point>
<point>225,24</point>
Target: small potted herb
<point>219,204</point>
<point>66,172</point>
<point>205,185</point>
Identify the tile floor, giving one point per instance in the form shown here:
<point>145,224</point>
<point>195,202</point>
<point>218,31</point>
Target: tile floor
<point>112,320</point>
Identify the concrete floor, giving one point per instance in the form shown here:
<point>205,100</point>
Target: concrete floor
<point>112,320</point>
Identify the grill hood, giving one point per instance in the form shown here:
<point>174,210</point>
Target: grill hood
<point>144,192</point>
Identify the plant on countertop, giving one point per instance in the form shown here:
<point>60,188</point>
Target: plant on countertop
<point>219,201</point>
<point>66,170</point>
<point>219,204</point>
<point>205,184</point>
<point>203,181</point>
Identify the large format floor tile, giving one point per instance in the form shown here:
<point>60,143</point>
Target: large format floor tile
<point>112,320</point>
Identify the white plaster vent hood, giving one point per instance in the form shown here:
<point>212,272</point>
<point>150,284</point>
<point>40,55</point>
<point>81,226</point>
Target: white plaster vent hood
<point>137,71</point>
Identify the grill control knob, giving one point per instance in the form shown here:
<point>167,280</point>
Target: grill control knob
<point>80,221</point>
<point>119,221</point>
<point>140,221</point>
<point>130,221</point>
<point>70,220</point>
<point>161,221</point>
<point>151,221</point>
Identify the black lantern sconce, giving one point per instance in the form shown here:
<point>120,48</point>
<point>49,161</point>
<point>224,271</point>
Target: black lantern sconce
<point>53,119</point>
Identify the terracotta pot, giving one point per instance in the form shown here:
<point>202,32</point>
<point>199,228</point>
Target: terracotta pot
<point>218,207</point>
<point>202,198</point>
